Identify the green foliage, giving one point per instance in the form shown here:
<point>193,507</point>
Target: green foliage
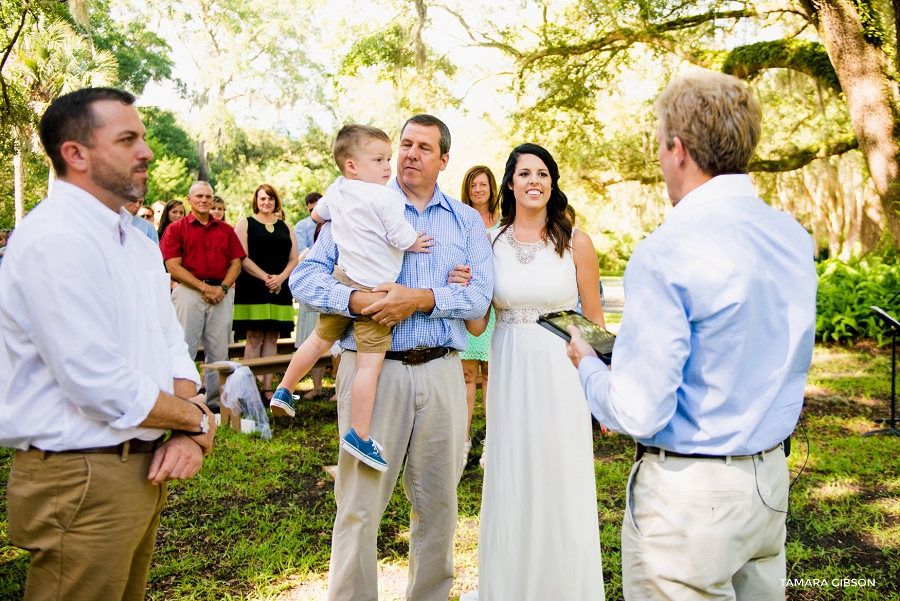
<point>168,178</point>
<point>807,57</point>
<point>847,290</point>
<point>870,20</point>
<point>142,55</point>
<point>613,251</point>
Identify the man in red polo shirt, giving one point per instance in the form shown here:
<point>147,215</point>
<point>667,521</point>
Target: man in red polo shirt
<point>204,255</point>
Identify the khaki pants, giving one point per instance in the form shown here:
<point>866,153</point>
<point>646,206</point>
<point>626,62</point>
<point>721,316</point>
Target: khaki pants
<point>420,413</point>
<point>697,529</point>
<point>89,522</point>
<point>210,324</point>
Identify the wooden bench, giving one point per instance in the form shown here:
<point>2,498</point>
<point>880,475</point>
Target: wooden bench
<point>259,366</point>
<point>236,349</point>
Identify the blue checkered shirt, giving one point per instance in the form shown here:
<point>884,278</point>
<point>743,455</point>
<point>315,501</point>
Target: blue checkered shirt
<point>459,239</point>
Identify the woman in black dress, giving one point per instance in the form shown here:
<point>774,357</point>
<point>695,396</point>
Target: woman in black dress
<point>263,310</point>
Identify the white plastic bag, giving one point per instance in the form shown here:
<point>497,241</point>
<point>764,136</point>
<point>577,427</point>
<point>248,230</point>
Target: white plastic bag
<point>241,397</point>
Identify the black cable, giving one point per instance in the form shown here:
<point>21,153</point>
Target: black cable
<point>794,481</point>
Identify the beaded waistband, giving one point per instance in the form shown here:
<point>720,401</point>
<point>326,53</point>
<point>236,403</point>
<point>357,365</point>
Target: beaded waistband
<point>524,317</point>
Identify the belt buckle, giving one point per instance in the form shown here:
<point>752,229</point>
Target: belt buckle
<point>415,357</point>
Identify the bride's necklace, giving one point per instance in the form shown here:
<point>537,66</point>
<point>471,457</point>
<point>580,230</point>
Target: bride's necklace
<point>525,251</point>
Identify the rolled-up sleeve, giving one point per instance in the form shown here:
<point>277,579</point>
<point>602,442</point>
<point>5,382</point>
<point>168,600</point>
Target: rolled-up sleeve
<point>469,302</point>
<point>311,282</point>
<point>82,353</point>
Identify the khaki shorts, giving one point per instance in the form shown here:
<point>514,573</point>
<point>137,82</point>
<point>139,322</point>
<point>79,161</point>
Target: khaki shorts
<point>370,336</point>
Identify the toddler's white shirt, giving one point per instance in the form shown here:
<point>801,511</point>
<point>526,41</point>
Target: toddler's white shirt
<point>369,228</point>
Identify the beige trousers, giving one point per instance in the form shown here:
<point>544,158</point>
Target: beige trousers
<point>89,522</point>
<point>210,324</point>
<point>699,529</point>
<point>419,415</point>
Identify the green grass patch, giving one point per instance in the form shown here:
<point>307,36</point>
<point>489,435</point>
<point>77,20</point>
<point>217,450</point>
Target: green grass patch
<point>256,522</point>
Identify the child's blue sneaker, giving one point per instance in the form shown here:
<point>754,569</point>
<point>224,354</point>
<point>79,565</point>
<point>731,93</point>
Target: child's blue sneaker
<point>367,451</point>
<point>282,402</point>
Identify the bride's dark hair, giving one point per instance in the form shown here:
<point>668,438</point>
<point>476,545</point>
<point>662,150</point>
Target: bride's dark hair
<point>560,216</point>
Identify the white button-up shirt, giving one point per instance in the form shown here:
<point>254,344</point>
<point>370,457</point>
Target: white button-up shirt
<point>89,330</point>
<point>717,334</point>
<point>369,228</point>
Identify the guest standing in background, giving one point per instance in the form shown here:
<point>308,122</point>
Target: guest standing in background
<point>204,255</point>
<point>305,231</point>
<point>174,210</point>
<point>479,191</point>
<point>159,208</point>
<point>146,213</point>
<point>218,208</point>
<point>140,223</point>
<point>263,310</point>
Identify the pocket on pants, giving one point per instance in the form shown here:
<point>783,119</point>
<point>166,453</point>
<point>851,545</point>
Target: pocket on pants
<point>629,497</point>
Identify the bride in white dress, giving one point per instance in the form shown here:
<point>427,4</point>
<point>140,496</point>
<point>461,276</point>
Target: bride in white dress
<point>539,537</point>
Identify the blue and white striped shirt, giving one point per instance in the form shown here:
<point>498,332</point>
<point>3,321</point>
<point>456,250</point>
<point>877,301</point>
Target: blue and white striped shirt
<point>459,239</point>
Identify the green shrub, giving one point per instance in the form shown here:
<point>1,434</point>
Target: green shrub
<point>846,291</point>
<point>613,251</point>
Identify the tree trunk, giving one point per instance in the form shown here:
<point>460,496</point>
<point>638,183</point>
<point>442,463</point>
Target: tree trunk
<point>201,153</point>
<point>19,182</point>
<point>862,69</point>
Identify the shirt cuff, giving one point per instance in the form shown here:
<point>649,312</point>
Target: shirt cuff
<point>594,376</point>
<point>185,369</point>
<point>339,300</point>
<point>141,406</point>
<point>442,308</point>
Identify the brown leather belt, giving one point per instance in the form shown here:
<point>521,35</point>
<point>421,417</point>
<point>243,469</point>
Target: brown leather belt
<point>134,446</point>
<point>418,356</point>
<point>640,450</point>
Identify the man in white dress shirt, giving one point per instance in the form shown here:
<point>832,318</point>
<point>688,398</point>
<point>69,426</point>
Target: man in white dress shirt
<point>99,369</point>
<point>710,364</point>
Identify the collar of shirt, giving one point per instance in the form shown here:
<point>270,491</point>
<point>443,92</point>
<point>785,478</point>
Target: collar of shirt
<point>437,198</point>
<point>191,219</point>
<point>115,223</point>
<point>731,185</point>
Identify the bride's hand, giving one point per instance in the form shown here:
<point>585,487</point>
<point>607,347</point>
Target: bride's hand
<point>461,275</point>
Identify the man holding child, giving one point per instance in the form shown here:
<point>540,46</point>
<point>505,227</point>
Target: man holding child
<point>419,411</point>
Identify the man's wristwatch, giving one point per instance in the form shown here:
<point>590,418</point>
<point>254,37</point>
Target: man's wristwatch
<point>225,287</point>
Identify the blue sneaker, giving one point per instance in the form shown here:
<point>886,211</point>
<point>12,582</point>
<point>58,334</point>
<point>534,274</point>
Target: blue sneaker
<point>367,451</point>
<point>282,402</point>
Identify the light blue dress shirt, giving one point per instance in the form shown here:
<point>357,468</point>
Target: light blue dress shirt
<point>717,335</point>
<point>305,230</point>
<point>459,239</point>
<point>146,227</point>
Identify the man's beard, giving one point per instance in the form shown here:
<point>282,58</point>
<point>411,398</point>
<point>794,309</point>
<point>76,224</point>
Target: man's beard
<point>117,183</point>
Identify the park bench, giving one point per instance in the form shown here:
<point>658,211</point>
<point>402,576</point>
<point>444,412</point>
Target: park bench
<point>259,366</point>
<point>236,349</point>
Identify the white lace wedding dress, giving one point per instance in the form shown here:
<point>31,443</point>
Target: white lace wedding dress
<point>539,538</point>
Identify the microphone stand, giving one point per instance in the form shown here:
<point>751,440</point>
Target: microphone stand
<point>894,326</point>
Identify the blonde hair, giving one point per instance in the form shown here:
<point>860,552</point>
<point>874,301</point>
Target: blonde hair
<point>716,118</point>
<point>352,138</point>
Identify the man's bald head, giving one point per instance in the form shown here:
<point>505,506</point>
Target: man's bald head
<point>200,198</point>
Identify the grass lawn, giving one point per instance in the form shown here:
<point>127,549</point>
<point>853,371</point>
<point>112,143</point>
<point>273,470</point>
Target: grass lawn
<point>256,522</point>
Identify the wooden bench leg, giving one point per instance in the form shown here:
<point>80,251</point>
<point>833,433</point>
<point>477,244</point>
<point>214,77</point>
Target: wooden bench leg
<point>226,415</point>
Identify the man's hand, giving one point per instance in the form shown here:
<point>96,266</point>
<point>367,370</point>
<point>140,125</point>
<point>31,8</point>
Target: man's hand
<point>578,349</point>
<point>213,295</point>
<point>461,274</point>
<point>399,303</point>
<point>178,458</point>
